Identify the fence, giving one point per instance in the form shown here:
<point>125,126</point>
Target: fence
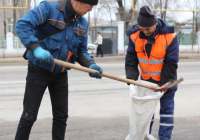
<point>3,42</point>
<point>110,38</point>
<point>10,46</point>
<point>184,39</point>
<point>106,32</point>
<point>188,39</point>
<point>17,43</point>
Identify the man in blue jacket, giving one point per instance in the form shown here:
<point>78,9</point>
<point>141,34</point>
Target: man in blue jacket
<point>37,30</point>
<point>154,46</point>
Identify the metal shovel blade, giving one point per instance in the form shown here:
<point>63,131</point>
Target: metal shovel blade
<point>169,84</point>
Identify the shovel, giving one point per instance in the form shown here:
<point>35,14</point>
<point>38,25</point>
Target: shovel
<point>166,86</point>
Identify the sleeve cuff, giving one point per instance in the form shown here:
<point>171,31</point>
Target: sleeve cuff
<point>33,46</point>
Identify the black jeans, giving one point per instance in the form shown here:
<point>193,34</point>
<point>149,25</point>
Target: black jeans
<point>36,83</point>
<point>99,50</point>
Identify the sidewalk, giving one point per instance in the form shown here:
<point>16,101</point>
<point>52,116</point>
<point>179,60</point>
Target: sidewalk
<point>114,58</point>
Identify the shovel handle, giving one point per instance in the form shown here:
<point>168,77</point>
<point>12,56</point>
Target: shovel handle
<point>110,76</point>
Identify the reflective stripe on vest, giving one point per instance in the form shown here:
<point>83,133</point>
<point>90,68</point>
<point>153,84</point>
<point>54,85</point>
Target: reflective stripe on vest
<point>151,61</point>
<point>152,66</point>
<point>152,73</point>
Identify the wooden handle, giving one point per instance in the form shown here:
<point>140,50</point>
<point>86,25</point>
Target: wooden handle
<point>73,66</point>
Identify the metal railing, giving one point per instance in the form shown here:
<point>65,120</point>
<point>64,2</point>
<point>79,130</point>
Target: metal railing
<point>17,43</point>
<point>184,39</point>
<point>106,32</point>
<point>3,42</point>
<point>188,39</point>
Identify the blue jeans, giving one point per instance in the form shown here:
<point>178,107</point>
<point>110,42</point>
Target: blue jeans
<point>36,83</point>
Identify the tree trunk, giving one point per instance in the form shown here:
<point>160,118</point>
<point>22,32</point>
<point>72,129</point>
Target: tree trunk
<point>165,13</point>
<point>15,2</point>
<point>128,15</point>
<point>29,1</point>
<point>121,9</point>
<point>4,18</point>
<point>111,20</point>
<point>161,12</point>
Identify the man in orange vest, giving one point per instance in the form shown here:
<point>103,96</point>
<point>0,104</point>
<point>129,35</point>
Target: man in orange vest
<point>154,46</point>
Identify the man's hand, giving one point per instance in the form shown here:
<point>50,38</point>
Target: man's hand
<point>43,55</point>
<point>96,74</point>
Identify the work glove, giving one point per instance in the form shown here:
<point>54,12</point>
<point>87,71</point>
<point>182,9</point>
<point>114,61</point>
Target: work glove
<point>43,55</point>
<point>96,74</point>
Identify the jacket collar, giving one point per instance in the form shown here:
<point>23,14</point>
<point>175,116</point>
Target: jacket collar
<point>66,7</point>
<point>70,9</point>
<point>61,5</point>
<point>65,4</point>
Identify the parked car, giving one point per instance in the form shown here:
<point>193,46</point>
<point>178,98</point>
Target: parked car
<point>92,48</point>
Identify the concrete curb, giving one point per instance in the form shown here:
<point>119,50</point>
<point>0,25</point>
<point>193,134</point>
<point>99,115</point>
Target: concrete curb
<point>108,58</point>
<point>12,60</point>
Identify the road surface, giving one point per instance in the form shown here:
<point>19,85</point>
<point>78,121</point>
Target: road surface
<point>98,109</point>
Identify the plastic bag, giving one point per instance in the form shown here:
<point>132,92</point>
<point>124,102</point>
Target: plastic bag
<point>143,105</point>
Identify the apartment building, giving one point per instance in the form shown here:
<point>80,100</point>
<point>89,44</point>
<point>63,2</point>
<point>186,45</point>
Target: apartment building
<point>7,14</point>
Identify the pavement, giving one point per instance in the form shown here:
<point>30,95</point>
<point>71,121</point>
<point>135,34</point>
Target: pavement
<point>109,58</point>
<point>102,112</point>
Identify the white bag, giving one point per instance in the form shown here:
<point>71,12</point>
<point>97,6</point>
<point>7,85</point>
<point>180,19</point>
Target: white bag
<point>143,105</point>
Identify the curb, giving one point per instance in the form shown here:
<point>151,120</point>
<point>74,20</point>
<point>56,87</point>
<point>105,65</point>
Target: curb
<point>113,58</point>
<point>12,60</point>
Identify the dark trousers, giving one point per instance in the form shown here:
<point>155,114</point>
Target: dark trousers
<point>99,50</point>
<point>166,115</point>
<point>36,83</point>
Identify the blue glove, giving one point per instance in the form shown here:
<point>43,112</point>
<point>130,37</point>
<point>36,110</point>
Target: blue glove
<point>96,74</point>
<point>43,55</point>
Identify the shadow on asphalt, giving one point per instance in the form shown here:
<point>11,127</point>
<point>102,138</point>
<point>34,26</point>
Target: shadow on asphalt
<point>101,129</point>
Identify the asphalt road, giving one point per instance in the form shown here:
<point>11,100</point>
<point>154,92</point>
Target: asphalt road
<point>98,109</point>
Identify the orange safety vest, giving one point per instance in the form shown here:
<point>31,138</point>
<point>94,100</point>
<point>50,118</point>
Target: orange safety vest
<point>152,66</point>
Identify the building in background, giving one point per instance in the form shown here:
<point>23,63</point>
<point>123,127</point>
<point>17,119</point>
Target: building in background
<point>8,16</point>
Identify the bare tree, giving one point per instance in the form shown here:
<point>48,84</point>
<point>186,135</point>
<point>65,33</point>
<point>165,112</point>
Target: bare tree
<point>15,3</point>
<point>125,16</point>
<point>161,8</point>
<point>96,17</point>
<point>4,18</point>
<point>109,5</point>
<point>164,13</point>
<point>164,4</point>
<point>192,4</point>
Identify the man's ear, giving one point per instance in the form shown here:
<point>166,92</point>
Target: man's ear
<point>77,2</point>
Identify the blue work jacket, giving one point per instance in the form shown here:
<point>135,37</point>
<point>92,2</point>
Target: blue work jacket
<point>67,45</point>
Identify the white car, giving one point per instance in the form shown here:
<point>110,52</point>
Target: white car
<point>92,48</point>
